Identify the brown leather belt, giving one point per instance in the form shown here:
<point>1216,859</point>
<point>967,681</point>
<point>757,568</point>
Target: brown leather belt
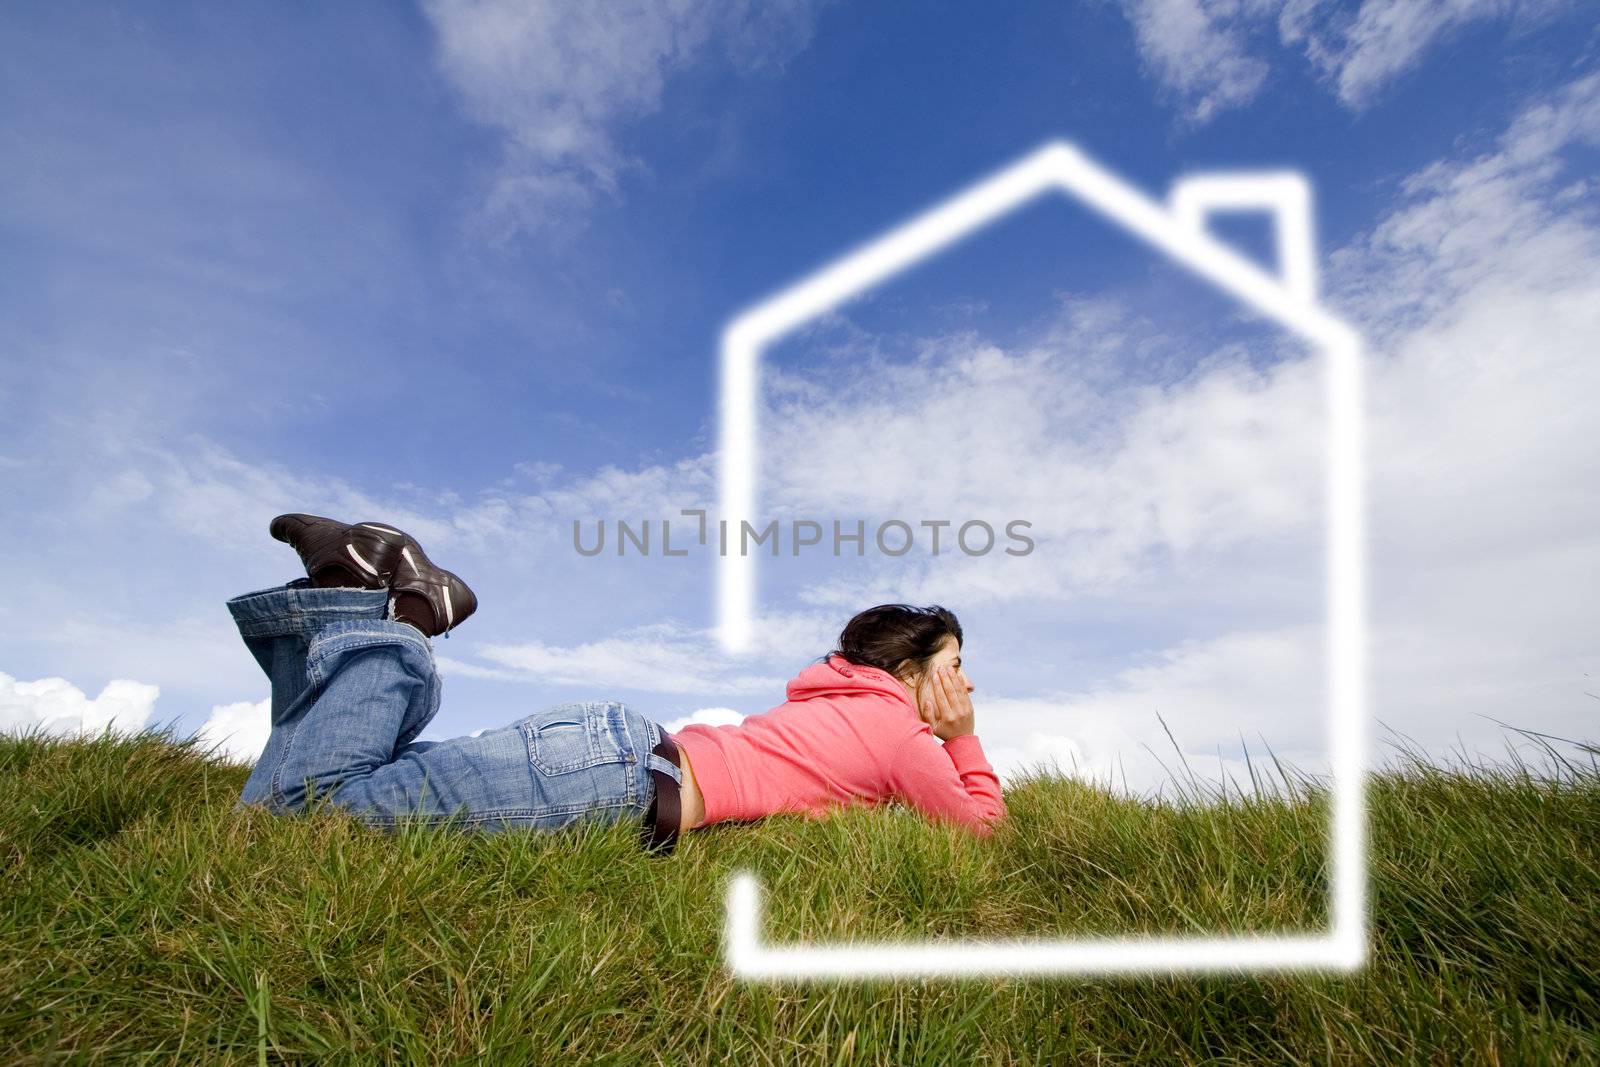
<point>661,821</point>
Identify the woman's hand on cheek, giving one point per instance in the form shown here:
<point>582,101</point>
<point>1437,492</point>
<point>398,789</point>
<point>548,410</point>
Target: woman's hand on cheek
<point>951,705</point>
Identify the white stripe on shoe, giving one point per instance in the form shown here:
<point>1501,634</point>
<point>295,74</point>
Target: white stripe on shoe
<point>449,609</point>
<point>406,552</point>
<point>369,568</point>
<point>385,529</point>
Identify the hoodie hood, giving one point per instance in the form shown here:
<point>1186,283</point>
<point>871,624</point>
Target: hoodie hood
<point>839,677</point>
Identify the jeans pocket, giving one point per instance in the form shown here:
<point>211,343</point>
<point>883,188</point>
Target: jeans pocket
<point>574,737</point>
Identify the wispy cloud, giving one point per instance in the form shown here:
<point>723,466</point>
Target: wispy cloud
<point>1199,51</point>
<point>1360,56</point>
<point>1214,55</point>
<point>1513,218</point>
<point>559,79</point>
<point>662,657</point>
<point>1110,470</point>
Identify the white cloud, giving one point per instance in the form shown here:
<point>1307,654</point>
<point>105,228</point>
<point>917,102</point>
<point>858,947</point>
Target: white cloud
<point>706,717</point>
<point>1386,38</point>
<point>1123,479</point>
<point>238,731</point>
<point>558,79</point>
<point>56,707</point>
<point>1197,50</point>
<point>1490,224</point>
<point>1211,54</point>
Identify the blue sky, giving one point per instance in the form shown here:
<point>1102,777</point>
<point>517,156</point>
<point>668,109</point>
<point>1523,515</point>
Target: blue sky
<point>463,266</point>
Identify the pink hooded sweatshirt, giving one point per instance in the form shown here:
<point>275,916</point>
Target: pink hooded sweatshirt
<point>848,735</point>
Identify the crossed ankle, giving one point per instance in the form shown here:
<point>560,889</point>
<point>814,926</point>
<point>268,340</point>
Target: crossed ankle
<point>413,608</point>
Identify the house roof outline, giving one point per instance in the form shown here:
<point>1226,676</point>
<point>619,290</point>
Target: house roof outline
<point>1287,297</point>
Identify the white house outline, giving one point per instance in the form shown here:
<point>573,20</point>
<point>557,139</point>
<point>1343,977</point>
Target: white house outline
<point>1289,300</point>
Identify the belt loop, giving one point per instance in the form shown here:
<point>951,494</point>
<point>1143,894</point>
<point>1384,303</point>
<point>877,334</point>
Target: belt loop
<point>659,835</point>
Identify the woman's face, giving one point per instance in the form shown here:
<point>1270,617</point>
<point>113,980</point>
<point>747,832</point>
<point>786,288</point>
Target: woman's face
<point>949,655</point>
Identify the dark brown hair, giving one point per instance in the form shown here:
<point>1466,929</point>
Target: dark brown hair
<point>897,638</point>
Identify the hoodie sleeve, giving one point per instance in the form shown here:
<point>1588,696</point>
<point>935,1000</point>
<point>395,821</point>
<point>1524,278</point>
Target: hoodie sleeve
<point>952,780</point>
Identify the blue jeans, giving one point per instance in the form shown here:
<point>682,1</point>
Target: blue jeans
<point>352,689</point>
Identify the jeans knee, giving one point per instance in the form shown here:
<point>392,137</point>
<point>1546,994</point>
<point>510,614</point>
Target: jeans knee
<point>384,648</point>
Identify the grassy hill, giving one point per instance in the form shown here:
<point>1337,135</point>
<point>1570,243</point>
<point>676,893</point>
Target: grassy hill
<point>141,918</point>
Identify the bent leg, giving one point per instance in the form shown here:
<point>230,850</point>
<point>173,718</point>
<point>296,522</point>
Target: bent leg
<point>351,692</point>
<point>371,688</point>
<point>278,625</point>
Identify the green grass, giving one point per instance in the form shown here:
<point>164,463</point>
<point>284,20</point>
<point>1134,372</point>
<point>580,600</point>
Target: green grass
<point>141,918</point>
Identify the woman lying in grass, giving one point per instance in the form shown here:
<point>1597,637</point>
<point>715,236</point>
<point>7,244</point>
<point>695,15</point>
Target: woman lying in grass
<point>354,683</point>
